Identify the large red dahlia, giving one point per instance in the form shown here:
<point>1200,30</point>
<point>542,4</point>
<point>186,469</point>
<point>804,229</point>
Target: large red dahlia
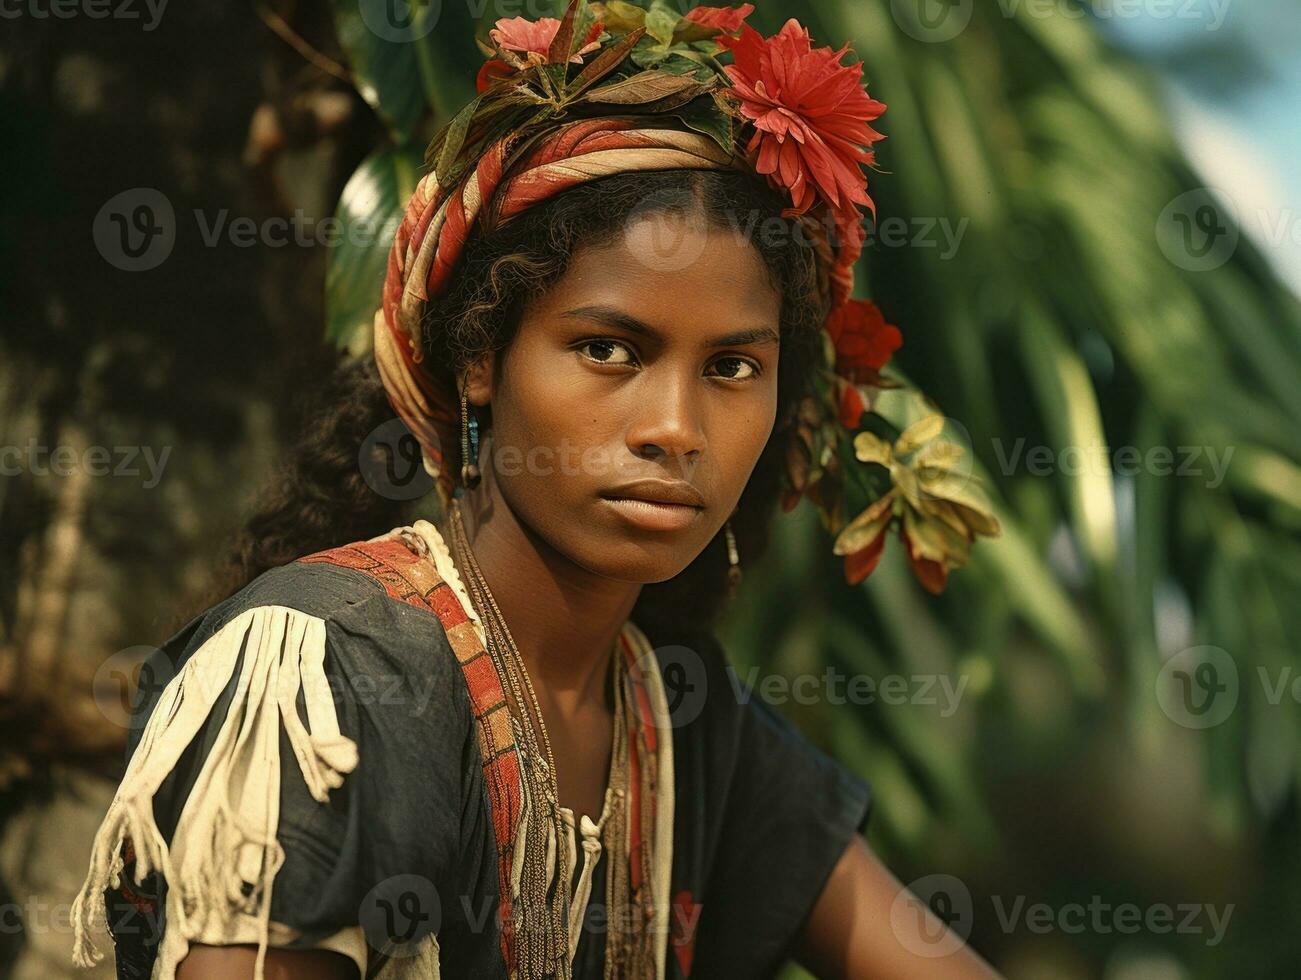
<point>811,116</point>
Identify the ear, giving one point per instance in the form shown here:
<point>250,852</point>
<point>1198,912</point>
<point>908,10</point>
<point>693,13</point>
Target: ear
<point>478,380</point>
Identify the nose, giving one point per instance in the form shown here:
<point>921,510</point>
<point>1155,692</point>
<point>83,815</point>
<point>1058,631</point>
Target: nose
<point>667,425</point>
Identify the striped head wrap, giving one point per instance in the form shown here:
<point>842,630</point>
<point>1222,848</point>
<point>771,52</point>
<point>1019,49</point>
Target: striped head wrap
<point>433,235</point>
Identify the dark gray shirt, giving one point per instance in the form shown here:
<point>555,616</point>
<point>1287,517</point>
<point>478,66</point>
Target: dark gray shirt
<point>406,845</point>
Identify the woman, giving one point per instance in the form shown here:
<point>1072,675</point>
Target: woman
<point>504,743</point>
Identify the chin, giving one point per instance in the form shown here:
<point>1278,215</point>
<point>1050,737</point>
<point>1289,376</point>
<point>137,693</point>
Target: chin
<point>640,561</point>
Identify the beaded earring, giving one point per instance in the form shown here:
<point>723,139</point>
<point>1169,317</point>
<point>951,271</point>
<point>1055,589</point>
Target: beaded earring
<point>733,561</point>
<point>469,445</point>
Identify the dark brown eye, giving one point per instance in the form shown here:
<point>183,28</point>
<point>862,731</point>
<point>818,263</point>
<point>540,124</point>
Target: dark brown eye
<point>607,352</point>
<point>735,368</point>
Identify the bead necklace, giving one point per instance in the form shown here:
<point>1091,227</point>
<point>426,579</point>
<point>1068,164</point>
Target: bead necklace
<point>542,911</point>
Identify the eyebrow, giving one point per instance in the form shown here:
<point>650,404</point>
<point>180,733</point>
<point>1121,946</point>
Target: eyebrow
<point>625,321</point>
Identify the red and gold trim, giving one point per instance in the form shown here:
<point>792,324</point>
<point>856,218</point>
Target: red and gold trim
<point>412,578</point>
<point>409,574</point>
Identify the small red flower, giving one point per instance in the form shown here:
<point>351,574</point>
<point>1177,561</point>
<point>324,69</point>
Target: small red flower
<point>533,38</point>
<point>810,114</point>
<point>931,574</point>
<point>864,341</point>
<point>491,72</point>
<point>726,19</point>
<point>851,405</point>
<point>861,564</point>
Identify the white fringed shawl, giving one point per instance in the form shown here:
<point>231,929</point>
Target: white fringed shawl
<point>224,855</point>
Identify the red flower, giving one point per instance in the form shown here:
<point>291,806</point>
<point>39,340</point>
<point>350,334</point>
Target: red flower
<point>931,574</point>
<point>811,116</point>
<point>864,341</point>
<point>533,38</point>
<point>851,405</point>
<point>491,72</point>
<point>726,19</point>
<point>861,564</point>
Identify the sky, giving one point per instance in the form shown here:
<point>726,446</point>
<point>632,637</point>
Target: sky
<point>1232,71</point>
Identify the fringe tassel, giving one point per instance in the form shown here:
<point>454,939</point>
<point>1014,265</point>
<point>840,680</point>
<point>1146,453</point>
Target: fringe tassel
<point>224,854</point>
<point>591,844</point>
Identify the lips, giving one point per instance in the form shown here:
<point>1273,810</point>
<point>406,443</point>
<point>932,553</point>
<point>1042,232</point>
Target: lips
<point>656,505</point>
<point>677,492</point>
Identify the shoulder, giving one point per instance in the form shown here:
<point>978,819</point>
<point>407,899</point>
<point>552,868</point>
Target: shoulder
<point>376,594</point>
<point>279,735</point>
<point>363,639</point>
<point>370,616</point>
<point>327,584</point>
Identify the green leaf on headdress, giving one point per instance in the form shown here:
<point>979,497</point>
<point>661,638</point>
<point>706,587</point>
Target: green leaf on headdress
<point>562,45</point>
<point>604,63</point>
<point>553,79</point>
<point>704,115</point>
<point>520,110</point>
<point>661,23</point>
<point>649,53</point>
<point>680,57</point>
<point>453,139</point>
<point>646,88</point>
<point>677,64</point>
<point>706,52</point>
<point>619,16</point>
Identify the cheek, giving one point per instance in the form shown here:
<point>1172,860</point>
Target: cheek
<point>739,431</point>
<point>545,418</point>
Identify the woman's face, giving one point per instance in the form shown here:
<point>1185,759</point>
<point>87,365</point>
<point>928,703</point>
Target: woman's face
<point>634,402</point>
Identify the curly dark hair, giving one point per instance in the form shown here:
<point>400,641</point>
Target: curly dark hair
<point>321,498</point>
